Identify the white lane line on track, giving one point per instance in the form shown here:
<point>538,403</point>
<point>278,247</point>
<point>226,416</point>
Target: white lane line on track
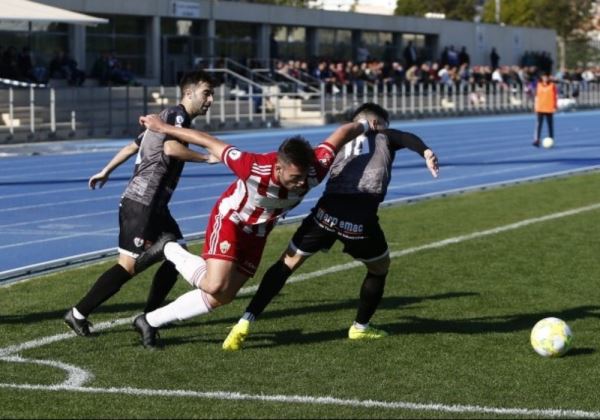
<point>77,377</point>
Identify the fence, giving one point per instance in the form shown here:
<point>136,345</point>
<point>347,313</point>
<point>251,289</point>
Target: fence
<point>35,114</point>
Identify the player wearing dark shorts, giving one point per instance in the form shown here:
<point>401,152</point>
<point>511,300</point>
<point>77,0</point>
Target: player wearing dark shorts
<point>347,212</point>
<point>143,211</point>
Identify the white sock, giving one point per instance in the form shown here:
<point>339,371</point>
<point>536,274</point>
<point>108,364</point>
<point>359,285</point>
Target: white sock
<point>77,314</point>
<point>186,306</point>
<point>361,327</point>
<point>248,316</point>
<point>191,267</point>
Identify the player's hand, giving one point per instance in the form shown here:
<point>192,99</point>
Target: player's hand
<point>99,179</point>
<point>212,159</point>
<point>432,163</point>
<point>152,122</point>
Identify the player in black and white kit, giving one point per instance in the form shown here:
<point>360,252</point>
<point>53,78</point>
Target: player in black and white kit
<point>143,211</point>
<point>347,211</point>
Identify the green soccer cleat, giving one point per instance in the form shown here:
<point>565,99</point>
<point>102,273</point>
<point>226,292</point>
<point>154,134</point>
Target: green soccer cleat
<point>371,333</point>
<point>237,335</point>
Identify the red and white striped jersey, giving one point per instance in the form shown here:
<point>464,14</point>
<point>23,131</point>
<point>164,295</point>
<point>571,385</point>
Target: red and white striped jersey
<point>256,199</point>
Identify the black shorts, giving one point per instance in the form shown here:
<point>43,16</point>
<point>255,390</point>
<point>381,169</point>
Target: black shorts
<point>353,222</point>
<point>140,225</point>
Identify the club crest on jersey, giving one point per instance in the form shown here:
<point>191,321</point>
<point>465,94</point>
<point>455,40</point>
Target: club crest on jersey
<point>178,120</point>
<point>138,242</point>
<point>224,246</point>
<point>234,154</point>
<point>324,161</point>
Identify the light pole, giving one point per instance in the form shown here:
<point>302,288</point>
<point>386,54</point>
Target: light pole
<point>498,11</point>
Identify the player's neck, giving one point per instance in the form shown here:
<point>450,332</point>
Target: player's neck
<point>188,108</point>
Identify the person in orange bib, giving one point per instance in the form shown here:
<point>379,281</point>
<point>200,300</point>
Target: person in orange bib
<point>545,106</point>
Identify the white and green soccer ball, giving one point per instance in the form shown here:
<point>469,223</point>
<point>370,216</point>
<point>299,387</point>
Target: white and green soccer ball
<point>551,337</point>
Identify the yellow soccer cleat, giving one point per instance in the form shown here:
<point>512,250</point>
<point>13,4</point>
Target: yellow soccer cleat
<point>370,333</point>
<point>237,335</point>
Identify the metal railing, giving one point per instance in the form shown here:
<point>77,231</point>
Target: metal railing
<point>36,113</point>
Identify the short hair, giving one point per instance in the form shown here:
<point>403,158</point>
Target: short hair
<point>296,151</point>
<point>193,78</point>
<point>370,109</point>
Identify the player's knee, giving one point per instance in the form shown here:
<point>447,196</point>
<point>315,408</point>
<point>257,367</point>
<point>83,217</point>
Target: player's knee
<point>379,267</point>
<point>128,264</point>
<point>219,287</point>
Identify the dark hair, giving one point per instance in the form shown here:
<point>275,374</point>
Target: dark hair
<point>370,108</point>
<point>296,151</point>
<point>193,78</point>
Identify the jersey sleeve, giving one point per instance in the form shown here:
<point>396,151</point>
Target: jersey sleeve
<point>174,116</point>
<point>140,137</point>
<point>401,139</point>
<point>324,157</point>
<point>238,161</point>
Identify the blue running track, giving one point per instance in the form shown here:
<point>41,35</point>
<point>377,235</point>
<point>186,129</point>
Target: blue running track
<point>48,215</point>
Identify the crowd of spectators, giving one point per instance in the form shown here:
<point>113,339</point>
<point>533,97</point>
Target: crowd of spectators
<point>453,69</point>
<point>21,66</point>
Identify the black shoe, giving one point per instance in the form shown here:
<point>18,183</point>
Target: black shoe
<point>153,254</point>
<point>536,143</point>
<point>80,327</point>
<point>147,331</point>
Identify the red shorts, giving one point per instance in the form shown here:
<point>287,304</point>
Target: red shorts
<point>226,240</point>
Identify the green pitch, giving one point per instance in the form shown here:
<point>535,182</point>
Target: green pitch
<point>470,276</point>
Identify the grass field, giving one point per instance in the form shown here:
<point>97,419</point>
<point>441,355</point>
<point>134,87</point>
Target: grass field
<point>470,276</point>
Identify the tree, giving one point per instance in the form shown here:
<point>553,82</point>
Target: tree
<point>453,9</point>
<point>567,17</point>
<point>571,19</point>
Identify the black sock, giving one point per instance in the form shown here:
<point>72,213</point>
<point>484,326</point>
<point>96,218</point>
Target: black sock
<point>162,283</point>
<point>371,293</point>
<point>107,285</point>
<point>270,285</point>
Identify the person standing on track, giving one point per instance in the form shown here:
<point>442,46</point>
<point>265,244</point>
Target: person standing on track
<point>267,187</point>
<point>143,211</point>
<point>347,211</point>
<point>546,100</point>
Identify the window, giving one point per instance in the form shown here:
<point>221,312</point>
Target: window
<point>123,38</point>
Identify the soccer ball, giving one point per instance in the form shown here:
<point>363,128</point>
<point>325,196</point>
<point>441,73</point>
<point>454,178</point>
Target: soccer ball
<point>551,337</point>
<point>547,142</point>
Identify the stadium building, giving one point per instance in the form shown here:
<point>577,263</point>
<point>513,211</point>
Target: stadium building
<point>157,39</point>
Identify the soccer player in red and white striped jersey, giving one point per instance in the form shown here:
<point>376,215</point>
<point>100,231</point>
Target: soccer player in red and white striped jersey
<point>268,186</point>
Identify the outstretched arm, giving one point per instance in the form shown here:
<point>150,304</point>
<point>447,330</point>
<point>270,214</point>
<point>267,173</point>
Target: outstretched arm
<point>122,155</point>
<point>413,142</point>
<point>179,151</point>
<point>350,131</point>
<point>187,135</point>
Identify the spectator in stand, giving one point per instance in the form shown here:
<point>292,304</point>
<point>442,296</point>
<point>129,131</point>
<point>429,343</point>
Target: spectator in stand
<point>397,73</point>
<point>389,54</point>
<point>10,67</point>
<point>494,59</point>
<point>410,55</point>
<point>274,47</point>
<point>362,53</point>
<point>546,99</point>
<point>444,57</point>
<point>452,57</point>
<point>25,65</point>
<point>58,66</point>
<point>100,69</point>
<point>463,57</point>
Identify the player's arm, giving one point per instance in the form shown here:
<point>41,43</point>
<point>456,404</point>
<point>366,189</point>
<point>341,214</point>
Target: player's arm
<point>413,142</point>
<point>350,131</point>
<point>122,155</point>
<point>187,135</point>
<point>177,150</point>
